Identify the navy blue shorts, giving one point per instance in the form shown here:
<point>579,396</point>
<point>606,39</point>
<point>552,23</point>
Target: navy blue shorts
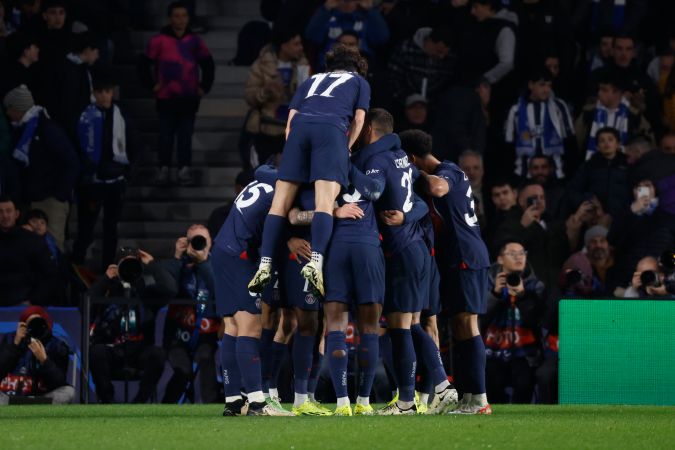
<point>295,288</point>
<point>407,279</point>
<point>465,290</point>
<point>433,305</point>
<point>231,275</point>
<point>313,152</point>
<point>272,295</point>
<point>354,273</point>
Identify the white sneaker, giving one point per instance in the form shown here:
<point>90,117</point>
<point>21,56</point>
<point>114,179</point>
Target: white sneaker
<point>444,401</point>
<point>394,410</point>
<point>473,406</point>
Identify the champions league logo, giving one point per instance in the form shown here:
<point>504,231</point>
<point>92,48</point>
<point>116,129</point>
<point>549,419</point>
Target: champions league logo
<point>309,299</point>
<point>257,303</point>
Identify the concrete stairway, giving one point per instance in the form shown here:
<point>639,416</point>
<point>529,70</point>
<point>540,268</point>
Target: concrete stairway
<point>154,217</point>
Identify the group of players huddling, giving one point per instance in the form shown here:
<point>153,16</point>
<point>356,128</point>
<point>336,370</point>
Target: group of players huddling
<point>353,220</point>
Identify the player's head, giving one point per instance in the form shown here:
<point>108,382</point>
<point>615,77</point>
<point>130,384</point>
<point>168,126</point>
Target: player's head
<point>345,58</point>
<point>417,144</point>
<point>379,122</point>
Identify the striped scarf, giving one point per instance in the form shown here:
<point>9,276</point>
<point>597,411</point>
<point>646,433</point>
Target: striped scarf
<point>90,134</point>
<point>604,118</point>
<point>548,130</point>
<point>29,121</point>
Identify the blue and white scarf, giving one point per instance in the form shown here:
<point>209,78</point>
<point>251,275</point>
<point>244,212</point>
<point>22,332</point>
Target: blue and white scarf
<point>75,59</point>
<point>604,118</point>
<point>90,134</point>
<point>29,122</point>
<point>548,130</point>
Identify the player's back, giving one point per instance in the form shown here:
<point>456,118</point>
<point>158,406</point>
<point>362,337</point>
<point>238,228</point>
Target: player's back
<point>330,98</point>
<point>460,239</point>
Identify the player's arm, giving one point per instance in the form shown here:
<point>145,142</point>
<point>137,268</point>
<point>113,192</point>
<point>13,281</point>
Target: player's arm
<point>370,187</point>
<point>266,174</point>
<point>291,113</point>
<point>354,128</point>
<point>418,212</point>
<point>435,185</point>
<point>296,216</point>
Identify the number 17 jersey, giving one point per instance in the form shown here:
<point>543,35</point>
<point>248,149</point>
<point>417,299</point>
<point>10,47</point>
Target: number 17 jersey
<point>459,240</point>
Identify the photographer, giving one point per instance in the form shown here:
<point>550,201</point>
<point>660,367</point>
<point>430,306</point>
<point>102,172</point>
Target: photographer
<point>516,304</point>
<point>123,336</point>
<point>191,332</point>
<point>648,281</point>
<point>32,361</point>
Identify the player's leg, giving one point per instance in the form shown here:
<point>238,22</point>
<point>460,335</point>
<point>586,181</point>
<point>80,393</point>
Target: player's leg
<point>284,332</point>
<point>317,360</point>
<point>404,361</point>
<point>471,352</point>
<point>269,321</point>
<point>231,374</point>
<point>336,348</point>
<point>368,317</point>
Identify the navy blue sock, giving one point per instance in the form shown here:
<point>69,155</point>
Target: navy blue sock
<point>272,231</point>
<point>279,351</point>
<point>303,349</point>
<point>475,365</point>
<point>266,356</point>
<point>336,348</point>
<point>368,357</point>
<point>428,354</point>
<point>388,360</point>
<point>322,229</point>
<point>248,357</point>
<point>404,362</point>
<point>458,364</point>
<point>229,365</point>
<point>314,374</point>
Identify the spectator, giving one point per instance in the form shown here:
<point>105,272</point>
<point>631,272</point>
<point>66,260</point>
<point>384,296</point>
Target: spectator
<point>604,175</point>
<point>636,148</point>
<point>271,84</point>
<point>540,124</point>
<point>659,67</point>
<point>46,161</point>
<point>540,170</point>
<point>335,17</point>
<point>647,280</point>
<point>122,336</point>
<point>421,65</point>
<point>33,361</point>
<point>656,166</point>
<point>590,18</point>
<point>464,120</point>
<point>590,272</point>
<point>667,145</point>
<point>415,115</point>
<point>177,88</point>
<point>27,274</point>
<point>612,109</point>
<point>191,333</point>
<point>37,221</point>
<point>471,164</point>
<point>516,303</point>
<point>105,148</point>
<point>23,56</point>
<point>503,196</point>
<point>601,55</point>
<point>667,91</point>
<point>218,215</point>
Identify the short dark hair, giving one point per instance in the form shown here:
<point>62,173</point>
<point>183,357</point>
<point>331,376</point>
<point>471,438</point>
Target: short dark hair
<point>381,120</point>
<point>83,41</point>
<point>342,57</point>
<point>103,80</point>
<point>499,182</point>
<point>49,4</point>
<point>176,5</point>
<point>416,142</point>
<point>607,76</point>
<point>18,42</point>
<point>622,36</point>
<point>509,240</point>
<point>495,5</point>
<point>547,158</point>
<point>4,198</point>
<point>350,33</point>
<point>528,183</point>
<point>539,73</point>
<point>441,35</point>
<point>281,35</point>
<point>609,130</point>
<point>36,214</point>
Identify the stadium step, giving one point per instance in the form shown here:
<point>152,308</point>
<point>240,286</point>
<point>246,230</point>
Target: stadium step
<point>203,176</point>
<point>169,210</point>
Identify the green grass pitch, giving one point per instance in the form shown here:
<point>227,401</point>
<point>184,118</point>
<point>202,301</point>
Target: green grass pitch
<point>202,427</point>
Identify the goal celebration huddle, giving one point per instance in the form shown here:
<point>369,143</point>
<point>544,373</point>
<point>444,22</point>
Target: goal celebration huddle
<point>355,220</point>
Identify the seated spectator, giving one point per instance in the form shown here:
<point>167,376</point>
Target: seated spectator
<point>590,272</point>
<point>271,84</point>
<point>21,69</point>
<point>604,175</point>
<point>415,114</point>
<point>191,332</point>
<point>46,162</point>
<point>540,170</point>
<point>122,336</point>
<point>516,303</point>
<point>540,124</point>
<point>422,65</point>
<point>647,280</point>
<point>218,215</point>
<point>27,273</point>
<point>105,149</point>
<point>471,164</point>
<point>612,109</point>
<point>33,362</point>
<point>175,81</point>
<point>335,17</point>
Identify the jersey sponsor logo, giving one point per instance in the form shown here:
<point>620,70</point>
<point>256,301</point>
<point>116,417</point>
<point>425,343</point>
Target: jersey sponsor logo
<point>402,163</point>
<point>369,171</point>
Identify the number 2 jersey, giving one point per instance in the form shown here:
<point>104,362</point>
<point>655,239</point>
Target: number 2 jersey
<point>330,98</point>
<point>458,240</point>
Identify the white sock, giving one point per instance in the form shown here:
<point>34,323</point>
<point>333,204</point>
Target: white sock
<point>364,401</point>
<point>405,405</point>
<point>480,399</point>
<point>232,399</point>
<point>342,401</point>
<point>256,397</point>
<point>317,259</point>
<point>265,260</point>
<point>299,399</point>
<point>311,396</point>
<point>266,394</point>
<point>440,387</point>
<point>424,398</point>
<point>274,393</point>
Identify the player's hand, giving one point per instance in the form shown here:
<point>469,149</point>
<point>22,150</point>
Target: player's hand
<point>38,350</point>
<point>181,247</point>
<point>146,258</point>
<point>111,272</point>
<point>392,218</point>
<point>300,248</point>
<point>349,211</point>
<point>530,215</point>
<point>21,330</point>
<point>500,284</point>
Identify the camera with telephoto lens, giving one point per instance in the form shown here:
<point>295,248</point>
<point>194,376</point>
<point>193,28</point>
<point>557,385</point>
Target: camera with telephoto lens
<point>197,242</point>
<point>667,262</point>
<point>513,279</point>
<point>37,328</point>
<point>650,278</point>
<point>130,266</point>
<point>573,278</point>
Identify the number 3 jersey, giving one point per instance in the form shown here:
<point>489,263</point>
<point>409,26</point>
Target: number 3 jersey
<point>459,240</point>
<point>331,98</point>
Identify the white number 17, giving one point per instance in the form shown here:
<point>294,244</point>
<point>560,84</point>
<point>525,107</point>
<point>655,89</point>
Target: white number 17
<point>318,79</point>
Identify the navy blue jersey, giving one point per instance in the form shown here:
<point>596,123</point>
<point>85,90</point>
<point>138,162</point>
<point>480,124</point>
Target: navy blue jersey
<point>460,240</point>
<point>242,230</point>
<point>331,98</point>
